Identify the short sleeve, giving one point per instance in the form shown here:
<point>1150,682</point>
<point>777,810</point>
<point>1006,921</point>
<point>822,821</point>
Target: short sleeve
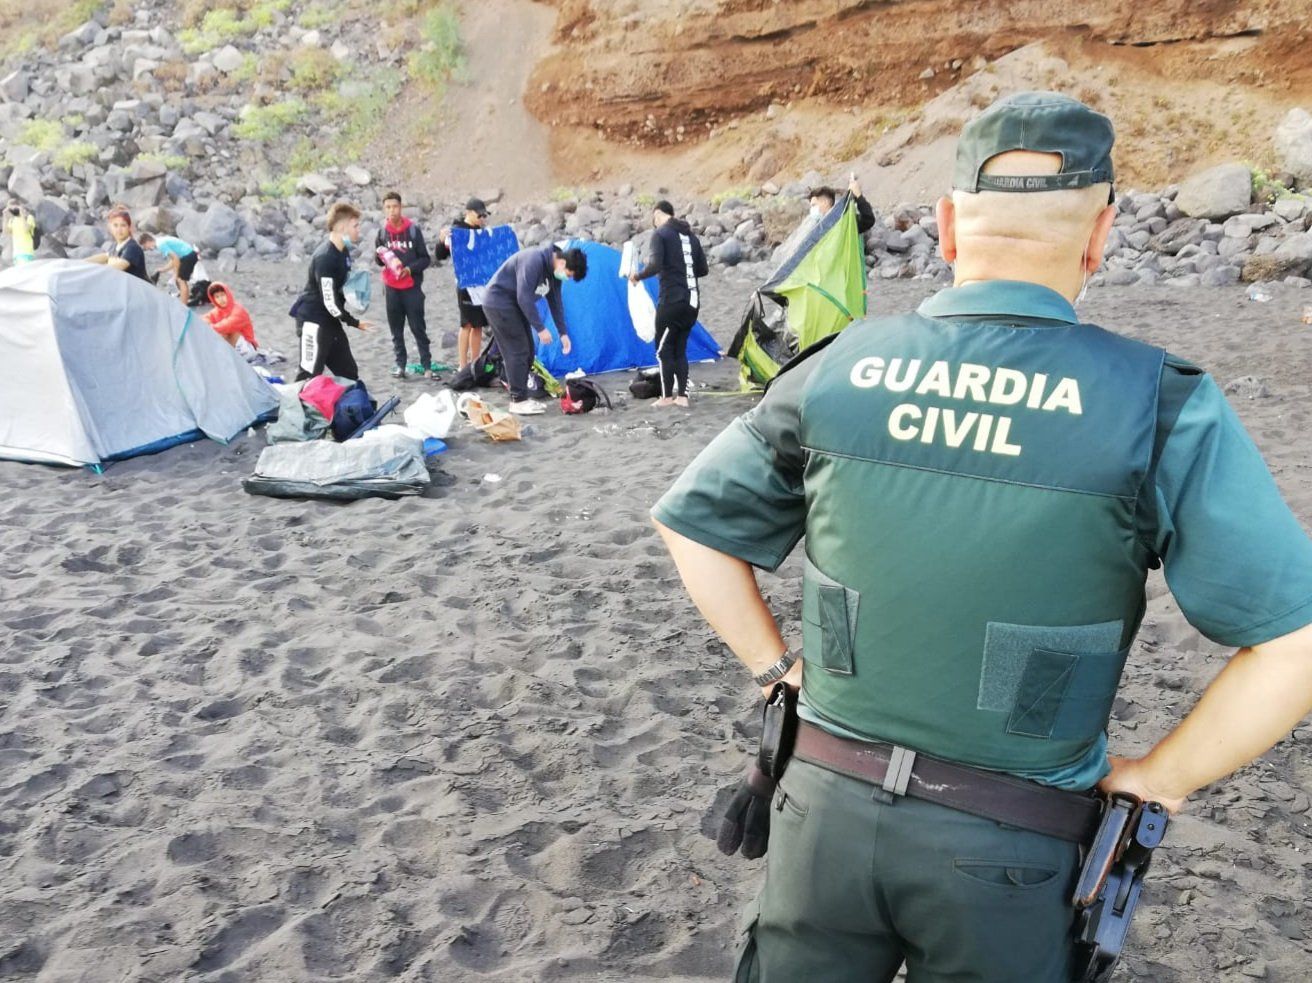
<point>743,495</point>
<point>1236,559</point>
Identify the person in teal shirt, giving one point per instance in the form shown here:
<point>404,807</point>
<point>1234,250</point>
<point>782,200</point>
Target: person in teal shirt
<point>983,486</point>
<point>181,256</point>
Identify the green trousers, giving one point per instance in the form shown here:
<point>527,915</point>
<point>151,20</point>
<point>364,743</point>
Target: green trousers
<point>859,882</point>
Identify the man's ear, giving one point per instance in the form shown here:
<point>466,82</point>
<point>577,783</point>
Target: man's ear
<point>1102,228</point>
<point>945,213</point>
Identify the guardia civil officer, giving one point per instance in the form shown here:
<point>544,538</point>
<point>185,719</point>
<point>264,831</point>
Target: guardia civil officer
<point>983,486</point>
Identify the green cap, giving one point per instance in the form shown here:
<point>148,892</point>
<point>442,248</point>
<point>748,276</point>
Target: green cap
<point>1044,122</point>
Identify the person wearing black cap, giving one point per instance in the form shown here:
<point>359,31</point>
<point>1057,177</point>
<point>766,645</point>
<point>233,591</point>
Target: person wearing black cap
<point>511,305</point>
<point>677,258</point>
<point>472,318</point>
<point>983,486</point>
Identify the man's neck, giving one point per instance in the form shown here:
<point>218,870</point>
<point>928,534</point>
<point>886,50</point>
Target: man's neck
<point>336,239</point>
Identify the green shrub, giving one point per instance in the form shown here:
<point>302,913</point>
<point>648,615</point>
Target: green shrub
<point>354,112</point>
<point>263,123</point>
<point>313,70</point>
<point>174,162</point>
<point>42,134</point>
<point>1266,189</point>
<point>745,193</point>
<point>441,55</point>
<point>315,16</point>
<point>75,152</point>
<point>218,27</point>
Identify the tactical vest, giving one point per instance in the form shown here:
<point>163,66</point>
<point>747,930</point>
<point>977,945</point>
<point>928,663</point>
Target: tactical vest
<point>974,579</point>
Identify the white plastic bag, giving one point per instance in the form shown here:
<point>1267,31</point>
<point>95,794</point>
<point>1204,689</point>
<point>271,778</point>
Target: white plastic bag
<point>642,309</point>
<point>432,414</point>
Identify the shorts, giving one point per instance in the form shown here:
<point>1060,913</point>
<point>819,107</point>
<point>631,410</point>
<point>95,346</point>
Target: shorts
<point>187,266</point>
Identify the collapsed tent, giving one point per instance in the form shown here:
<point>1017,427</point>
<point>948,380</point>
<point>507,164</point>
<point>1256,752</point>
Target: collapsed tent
<point>600,326</point>
<point>820,284</point>
<point>98,366</point>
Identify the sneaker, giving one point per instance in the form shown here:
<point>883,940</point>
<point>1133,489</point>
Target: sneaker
<point>398,373</point>
<point>527,407</point>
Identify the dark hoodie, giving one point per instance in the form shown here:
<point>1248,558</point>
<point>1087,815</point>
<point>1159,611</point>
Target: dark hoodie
<point>677,258</point>
<point>407,241</point>
<point>517,282</point>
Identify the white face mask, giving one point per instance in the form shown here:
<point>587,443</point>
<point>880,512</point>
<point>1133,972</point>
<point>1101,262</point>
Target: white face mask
<point>815,211</point>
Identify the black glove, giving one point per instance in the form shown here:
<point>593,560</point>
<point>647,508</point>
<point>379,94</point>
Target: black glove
<point>746,821</point>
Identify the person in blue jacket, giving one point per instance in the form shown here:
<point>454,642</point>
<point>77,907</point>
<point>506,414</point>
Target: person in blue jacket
<point>511,305</point>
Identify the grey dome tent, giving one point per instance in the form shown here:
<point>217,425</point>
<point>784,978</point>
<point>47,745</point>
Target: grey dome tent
<point>97,365</point>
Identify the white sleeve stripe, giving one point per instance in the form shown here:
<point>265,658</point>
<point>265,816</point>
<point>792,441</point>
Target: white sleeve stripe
<point>329,298</point>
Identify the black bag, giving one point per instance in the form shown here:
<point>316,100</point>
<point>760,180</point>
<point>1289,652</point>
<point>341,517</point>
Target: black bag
<point>646,384</point>
<point>36,237</point>
<point>582,396</point>
<point>481,373</point>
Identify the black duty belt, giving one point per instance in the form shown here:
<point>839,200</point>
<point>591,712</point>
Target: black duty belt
<point>1071,816</point>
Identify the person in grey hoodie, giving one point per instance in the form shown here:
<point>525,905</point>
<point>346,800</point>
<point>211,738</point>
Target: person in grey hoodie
<point>511,306</point>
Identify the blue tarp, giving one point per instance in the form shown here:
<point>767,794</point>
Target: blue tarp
<point>476,254</point>
<point>600,327</point>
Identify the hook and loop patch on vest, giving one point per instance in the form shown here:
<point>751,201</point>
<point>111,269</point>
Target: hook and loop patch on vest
<point>829,621</point>
<point>1052,682</point>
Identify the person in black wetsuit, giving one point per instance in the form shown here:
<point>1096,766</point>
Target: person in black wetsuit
<point>321,311</point>
<point>677,258</point>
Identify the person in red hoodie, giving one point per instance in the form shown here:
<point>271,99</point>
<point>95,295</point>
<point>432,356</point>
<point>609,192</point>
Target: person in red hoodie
<point>403,276</point>
<point>229,318</point>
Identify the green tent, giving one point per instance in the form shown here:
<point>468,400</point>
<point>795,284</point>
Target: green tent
<point>820,286</point>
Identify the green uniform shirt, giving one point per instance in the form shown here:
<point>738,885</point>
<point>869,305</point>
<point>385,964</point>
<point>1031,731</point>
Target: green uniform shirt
<point>932,557</point>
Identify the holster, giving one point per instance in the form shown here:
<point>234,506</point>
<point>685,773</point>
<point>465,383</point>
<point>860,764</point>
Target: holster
<point>778,731</point>
<point>1111,881</point>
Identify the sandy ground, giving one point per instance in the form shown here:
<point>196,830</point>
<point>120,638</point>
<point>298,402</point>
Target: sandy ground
<point>477,735</point>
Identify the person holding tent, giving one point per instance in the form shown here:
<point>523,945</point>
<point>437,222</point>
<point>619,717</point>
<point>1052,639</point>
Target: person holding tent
<point>403,281</point>
<point>125,253</point>
<point>320,310</point>
<point>229,318</point>
<point>983,486</point>
<point>511,305</point>
<point>472,319</point>
<point>823,198</point>
<point>23,234</point>
<point>181,256</point>
<point>677,258</point>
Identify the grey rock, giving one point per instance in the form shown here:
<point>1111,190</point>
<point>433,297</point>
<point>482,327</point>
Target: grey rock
<point>359,176</point>
<point>168,116</point>
<point>316,184</point>
<point>1221,276</point>
<point>211,123</point>
<point>227,59</point>
<point>1301,282</point>
<point>1290,209</point>
<point>730,252</point>
<point>51,215</point>
<point>227,261</point>
<point>1188,280</point>
<point>25,184</point>
<point>145,193</point>
<point>1176,236</point>
<point>1138,240</point>
<point>220,228</point>
<point>1267,245</point>
<point>1121,278</point>
<point>1156,225</point>
<point>1229,248</point>
<point>1217,193</point>
<point>1297,246</point>
<point>1155,209</point>
<point>616,232</point>
<point>119,120</point>
<point>159,220</point>
<point>731,204</point>
<point>15,86</point>
<point>1248,387</point>
<point>1293,143</point>
<point>82,236</point>
<point>896,242</point>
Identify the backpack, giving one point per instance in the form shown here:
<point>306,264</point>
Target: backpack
<point>354,408</point>
<point>582,396</point>
<point>646,384</point>
<point>480,373</point>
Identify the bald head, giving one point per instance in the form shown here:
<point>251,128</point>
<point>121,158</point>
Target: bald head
<point>1055,238</point>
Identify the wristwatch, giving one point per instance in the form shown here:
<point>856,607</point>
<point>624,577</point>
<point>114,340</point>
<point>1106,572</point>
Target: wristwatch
<point>777,671</point>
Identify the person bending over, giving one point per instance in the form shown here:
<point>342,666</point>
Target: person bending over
<point>182,258</point>
<point>511,305</point>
